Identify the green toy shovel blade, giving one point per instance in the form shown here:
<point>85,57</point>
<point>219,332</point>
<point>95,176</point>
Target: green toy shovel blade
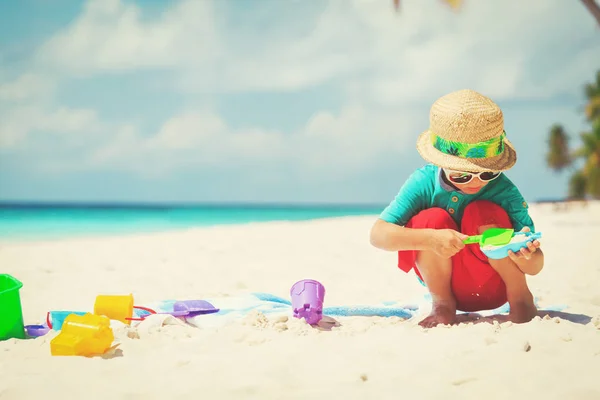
<point>492,237</point>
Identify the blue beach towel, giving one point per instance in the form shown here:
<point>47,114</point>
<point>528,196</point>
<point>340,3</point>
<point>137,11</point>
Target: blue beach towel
<point>233,308</point>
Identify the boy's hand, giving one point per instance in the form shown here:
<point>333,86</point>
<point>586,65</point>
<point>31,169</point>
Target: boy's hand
<point>525,253</point>
<point>447,242</point>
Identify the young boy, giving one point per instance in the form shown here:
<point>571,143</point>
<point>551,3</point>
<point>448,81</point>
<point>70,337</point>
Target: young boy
<point>462,192</point>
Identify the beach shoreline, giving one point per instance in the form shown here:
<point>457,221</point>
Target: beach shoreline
<point>41,221</point>
<point>95,236</point>
<point>559,207</point>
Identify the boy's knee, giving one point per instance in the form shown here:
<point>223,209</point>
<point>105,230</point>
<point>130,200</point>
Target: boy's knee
<point>535,272</point>
<point>483,208</point>
<point>435,218</point>
<point>484,213</point>
<point>532,271</point>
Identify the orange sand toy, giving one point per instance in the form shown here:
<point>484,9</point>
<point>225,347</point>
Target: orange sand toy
<point>83,335</point>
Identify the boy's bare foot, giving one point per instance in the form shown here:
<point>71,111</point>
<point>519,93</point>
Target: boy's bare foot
<point>522,309</point>
<point>442,312</point>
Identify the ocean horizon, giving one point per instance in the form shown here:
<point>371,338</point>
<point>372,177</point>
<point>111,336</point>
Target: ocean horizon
<point>57,220</point>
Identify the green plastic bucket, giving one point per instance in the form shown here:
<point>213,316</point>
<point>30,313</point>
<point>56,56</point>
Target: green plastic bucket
<point>11,313</point>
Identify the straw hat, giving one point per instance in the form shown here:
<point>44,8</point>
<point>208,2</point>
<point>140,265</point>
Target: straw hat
<point>466,133</point>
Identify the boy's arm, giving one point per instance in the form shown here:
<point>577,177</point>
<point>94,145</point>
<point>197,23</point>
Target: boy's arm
<point>530,260</point>
<point>392,237</point>
<point>518,210</point>
<point>389,231</point>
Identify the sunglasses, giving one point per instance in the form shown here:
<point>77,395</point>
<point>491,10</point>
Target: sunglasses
<point>462,178</point>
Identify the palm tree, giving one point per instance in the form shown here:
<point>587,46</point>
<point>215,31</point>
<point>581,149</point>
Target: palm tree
<point>585,181</point>
<point>590,153</point>
<point>558,156</point>
<point>592,92</point>
<point>591,5</point>
<point>593,8</point>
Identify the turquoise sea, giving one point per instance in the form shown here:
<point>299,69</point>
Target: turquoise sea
<point>53,221</point>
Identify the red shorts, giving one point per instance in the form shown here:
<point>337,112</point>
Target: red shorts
<point>475,284</point>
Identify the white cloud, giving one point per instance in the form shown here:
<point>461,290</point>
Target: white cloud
<point>328,145</point>
<point>65,126</point>
<point>110,35</point>
<point>28,86</point>
<point>191,139</point>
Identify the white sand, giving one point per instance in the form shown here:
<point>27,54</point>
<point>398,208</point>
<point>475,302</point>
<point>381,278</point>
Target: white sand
<point>364,358</point>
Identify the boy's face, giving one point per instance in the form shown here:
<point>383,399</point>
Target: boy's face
<point>470,182</point>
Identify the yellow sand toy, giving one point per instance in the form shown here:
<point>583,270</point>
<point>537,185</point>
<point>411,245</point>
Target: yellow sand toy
<point>83,335</point>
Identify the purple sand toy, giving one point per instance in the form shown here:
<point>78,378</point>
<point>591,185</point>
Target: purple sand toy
<point>36,330</point>
<point>307,300</point>
<point>189,309</point>
<point>194,307</point>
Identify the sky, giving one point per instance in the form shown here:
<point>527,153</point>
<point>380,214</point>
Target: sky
<point>272,101</point>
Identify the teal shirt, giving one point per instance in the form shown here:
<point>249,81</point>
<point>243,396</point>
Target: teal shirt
<point>425,189</point>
